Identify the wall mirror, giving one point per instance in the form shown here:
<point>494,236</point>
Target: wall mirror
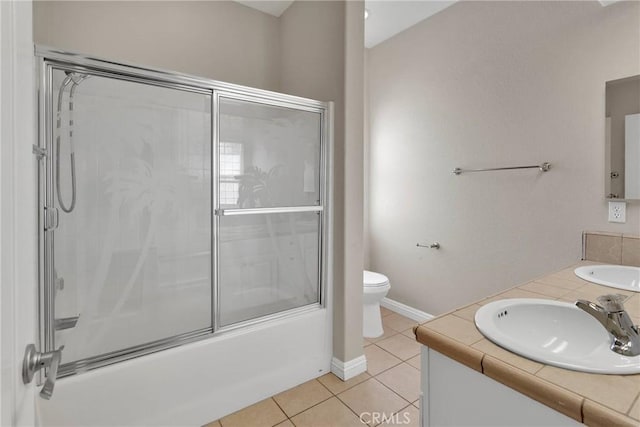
<point>622,139</point>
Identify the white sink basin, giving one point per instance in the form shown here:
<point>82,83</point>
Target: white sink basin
<point>615,276</point>
<point>554,333</point>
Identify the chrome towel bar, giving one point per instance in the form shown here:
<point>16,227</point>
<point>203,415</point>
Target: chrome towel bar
<point>543,167</point>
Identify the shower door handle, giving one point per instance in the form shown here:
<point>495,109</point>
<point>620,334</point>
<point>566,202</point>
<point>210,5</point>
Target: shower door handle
<point>65,323</point>
<point>34,361</point>
<point>51,218</point>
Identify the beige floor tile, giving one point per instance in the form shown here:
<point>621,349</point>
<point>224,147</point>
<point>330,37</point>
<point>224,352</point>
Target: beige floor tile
<point>397,322</point>
<point>385,311</point>
<point>400,346</point>
<point>265,413</point>
<point>416,403</point>
<point>415,362</point>
<point>404,379</point>
<point>331,412</point>
<point>596,387</point>
<point>304,396</point>
<point>336,385</point>
<point>213,424</point>
<point>407,417</point>
<point>285,423</point>
<point>409,333</point>
<point>366,342</point>
<point>379,360</point>
<point>388,333</point>
<point>372,396</point>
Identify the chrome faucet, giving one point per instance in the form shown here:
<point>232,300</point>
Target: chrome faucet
<point>614,318</point>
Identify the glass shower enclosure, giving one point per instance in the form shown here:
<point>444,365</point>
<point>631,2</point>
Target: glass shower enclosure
<point>172,208</point>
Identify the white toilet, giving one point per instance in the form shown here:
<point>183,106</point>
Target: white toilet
<point>375,287</point>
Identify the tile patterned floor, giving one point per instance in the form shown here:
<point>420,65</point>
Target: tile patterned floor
<point>391,386</point>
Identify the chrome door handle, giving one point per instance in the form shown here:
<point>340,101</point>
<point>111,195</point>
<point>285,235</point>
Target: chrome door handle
<point>34,361</point>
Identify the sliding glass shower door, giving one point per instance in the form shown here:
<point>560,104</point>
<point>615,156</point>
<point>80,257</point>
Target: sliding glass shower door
<point>269,207</point>
<point>173,208</point>
<point>131,185</point>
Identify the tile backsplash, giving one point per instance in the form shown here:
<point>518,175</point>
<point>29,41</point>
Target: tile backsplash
<point>611,248</point>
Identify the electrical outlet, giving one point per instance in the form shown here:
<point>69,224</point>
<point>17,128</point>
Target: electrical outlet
<point>617,211</point>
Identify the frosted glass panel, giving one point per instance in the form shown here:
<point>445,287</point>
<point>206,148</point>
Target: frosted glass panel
<point>269,156</point>
<point>268,264</point>
<point>133,258</point>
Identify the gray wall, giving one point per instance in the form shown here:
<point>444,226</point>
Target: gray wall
<point>313,50</point>
<point>221,40</point>
<point>322,46</point>
<point>484,84</point>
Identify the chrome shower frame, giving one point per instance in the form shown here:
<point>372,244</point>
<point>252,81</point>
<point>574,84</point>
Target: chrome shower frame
<point>50,59</point>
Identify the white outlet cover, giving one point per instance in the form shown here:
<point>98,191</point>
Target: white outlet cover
<point>618,212</point>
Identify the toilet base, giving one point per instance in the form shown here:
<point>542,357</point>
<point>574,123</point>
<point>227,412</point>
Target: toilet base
<point>372,321</point>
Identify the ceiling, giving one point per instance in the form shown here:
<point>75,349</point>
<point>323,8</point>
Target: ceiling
<point>386,17</point>
<point>390,17</point>
<point>272,7</point>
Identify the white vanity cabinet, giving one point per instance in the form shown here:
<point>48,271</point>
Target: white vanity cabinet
<point>456,395</point>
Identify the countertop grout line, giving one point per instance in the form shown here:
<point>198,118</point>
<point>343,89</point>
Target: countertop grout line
<point>484,353</point>
<point>637,399</point>
<point>454,338</point>
<point>543,380</point>
<point>566,291</point>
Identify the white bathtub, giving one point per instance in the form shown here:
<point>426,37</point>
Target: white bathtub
<point>199,382</point>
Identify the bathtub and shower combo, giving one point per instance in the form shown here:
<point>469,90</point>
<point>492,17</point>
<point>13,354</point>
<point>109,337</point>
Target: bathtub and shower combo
<point>184,261</point>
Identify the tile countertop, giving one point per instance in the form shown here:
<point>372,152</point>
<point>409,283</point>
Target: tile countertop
<point>593,399</point>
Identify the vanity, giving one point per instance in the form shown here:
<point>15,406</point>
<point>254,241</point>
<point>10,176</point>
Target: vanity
<point>469,380</point>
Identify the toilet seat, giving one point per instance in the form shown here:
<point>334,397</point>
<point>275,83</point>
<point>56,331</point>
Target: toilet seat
<point>371,279</point>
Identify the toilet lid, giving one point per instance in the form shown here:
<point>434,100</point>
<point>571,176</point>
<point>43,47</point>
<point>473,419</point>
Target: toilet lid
<point>370,278</point>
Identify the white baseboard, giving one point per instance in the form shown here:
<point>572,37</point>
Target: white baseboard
<point>349,369</point>
<point>405,310</point>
